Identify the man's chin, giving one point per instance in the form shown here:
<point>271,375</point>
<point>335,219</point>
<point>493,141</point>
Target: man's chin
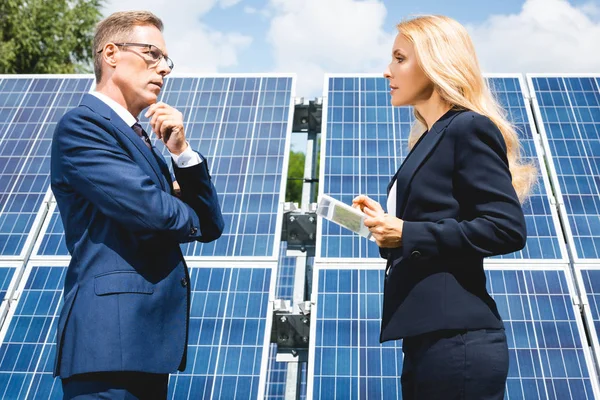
<point>151,98</point>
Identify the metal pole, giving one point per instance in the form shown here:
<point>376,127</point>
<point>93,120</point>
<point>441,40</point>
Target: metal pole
<point>310,170</point>
<point>294,376</point>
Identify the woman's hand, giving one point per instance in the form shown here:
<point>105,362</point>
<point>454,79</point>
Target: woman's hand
<point>386,229</point>
<point>363,202</point>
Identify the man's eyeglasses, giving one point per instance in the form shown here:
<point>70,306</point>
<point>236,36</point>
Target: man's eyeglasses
<point>154,53</point>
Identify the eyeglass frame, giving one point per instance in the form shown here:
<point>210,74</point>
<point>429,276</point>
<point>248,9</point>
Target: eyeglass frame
<point>161,55</point>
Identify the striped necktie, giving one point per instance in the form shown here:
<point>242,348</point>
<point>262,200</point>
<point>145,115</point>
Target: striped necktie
<point>142,134</point>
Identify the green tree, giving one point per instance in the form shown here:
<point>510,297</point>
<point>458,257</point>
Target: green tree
<point>295,180</point>
<point>293,192</point>
<point>47,36</point>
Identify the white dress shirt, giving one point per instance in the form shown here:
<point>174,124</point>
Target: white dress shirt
<point>186,159</point>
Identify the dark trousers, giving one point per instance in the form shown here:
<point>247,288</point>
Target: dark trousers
<point>116,385</point>
<point>455,365</point>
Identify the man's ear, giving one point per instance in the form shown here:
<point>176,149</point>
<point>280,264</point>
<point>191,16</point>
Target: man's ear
<point>109,54</point>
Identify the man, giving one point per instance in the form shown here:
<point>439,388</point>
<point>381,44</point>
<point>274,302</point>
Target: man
<point>123,327</point>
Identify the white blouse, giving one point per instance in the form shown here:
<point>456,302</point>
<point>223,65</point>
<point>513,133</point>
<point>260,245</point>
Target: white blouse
<point>391,200</point>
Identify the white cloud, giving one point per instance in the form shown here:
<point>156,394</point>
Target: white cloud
<point>592,9</point>
<point>265,12</point>
<point>228,3</point>
<point>193,46</point>
<point>311,37</point>
<point>546,36</point>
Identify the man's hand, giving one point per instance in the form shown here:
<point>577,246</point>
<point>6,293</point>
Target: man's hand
<point>386,229</point>
<point>167,124</point>
<point>176,189</point>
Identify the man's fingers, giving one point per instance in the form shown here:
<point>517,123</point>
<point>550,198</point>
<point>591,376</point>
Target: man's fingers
<point>151,110</point>
<point>160,121</point>
<point>157,108</point>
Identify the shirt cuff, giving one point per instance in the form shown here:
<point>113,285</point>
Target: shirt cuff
<point>188,158</point>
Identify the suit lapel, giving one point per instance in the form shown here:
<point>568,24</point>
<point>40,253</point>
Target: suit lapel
<point>139,144</point>
<point>163,167</point>
<point>154,172</point>
<point>422,150</point>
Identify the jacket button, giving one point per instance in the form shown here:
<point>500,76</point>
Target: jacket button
<point>193,230</point>
<point>184,282</point>
<point>415,254</point>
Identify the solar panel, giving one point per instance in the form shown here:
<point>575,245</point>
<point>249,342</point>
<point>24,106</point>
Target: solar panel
<point>242,125</point>
<point>588,279</point>
<point>29,110</point>
<point>230,319</point>
<point>229,331</point>
<point>8,274</point>
<point>27,337</point>
<point>568,111</point>
<point>549,355</point>
<point>365,140</point>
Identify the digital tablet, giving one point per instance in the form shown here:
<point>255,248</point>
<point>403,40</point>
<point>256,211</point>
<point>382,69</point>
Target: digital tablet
<point>344,215</point>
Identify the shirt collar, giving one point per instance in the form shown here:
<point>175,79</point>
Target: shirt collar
<point>121,111</point>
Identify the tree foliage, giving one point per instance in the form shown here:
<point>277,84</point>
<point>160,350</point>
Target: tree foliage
<point>296,177</point>
<point>293,192</point>
<point>47,36</point>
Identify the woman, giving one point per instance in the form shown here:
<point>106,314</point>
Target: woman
<point>455,200</point>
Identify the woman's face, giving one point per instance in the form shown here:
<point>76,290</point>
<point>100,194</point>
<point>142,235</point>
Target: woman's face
<point>408,83</point>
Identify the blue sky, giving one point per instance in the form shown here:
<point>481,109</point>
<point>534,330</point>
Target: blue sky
<point>258,57</point>
<point>313,37</point>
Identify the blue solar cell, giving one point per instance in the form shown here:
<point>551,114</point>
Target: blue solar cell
<point>591,291</point>
<point>366,140</point>
<point>569,113</point>
<point>229,309</point>
<point>6,276</point>
<point>241,126</point>
<point>548,359</point>
<point>29,110</point>
<point>227,332</point>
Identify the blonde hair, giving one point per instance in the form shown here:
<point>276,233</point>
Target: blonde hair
<point>118,27</point>
<point>447,56</point>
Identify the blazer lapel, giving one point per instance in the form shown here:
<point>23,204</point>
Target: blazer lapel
<point>417,156</point>
<point>163,167</point>
<point>104,110</point>
<point>130,134</point>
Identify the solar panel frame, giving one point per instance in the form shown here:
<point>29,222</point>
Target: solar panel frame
<point>569,279</point>
<point>554,176</point>
<point>32,151</point>
<point>545,180</point>
<point>53,213</point>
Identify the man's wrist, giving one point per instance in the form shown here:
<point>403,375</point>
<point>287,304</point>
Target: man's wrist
<point>180,150</point>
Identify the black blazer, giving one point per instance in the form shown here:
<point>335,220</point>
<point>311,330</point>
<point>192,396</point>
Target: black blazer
<point>455,195</point>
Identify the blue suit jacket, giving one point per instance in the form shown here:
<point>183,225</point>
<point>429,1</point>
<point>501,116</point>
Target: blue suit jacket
<point>455,195</point>
<point>126,294</point>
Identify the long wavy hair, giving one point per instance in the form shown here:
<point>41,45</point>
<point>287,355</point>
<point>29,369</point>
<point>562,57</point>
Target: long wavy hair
<point>447,56</point>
